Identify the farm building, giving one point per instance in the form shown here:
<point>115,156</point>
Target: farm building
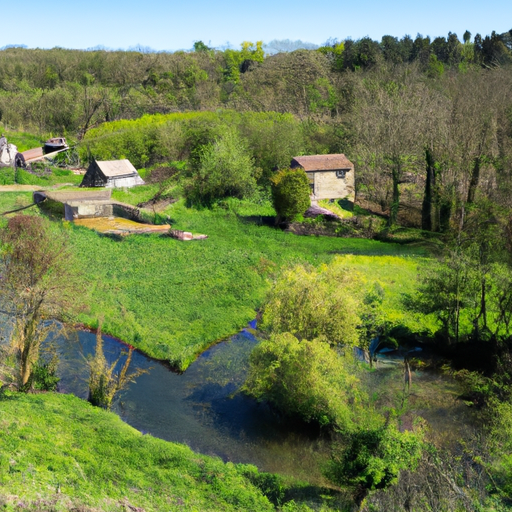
<point>111,174</point>
<point>330,176</point>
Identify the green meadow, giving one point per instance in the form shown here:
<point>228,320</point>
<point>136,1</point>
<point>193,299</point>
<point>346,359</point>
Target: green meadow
<point>61,453</point>
<point>173,299</point>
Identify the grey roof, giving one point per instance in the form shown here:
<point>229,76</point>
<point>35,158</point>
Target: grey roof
<point>322,162</point>
<point>116,168</point>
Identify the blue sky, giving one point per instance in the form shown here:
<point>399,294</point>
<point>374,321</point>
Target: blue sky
<point>175,25</point>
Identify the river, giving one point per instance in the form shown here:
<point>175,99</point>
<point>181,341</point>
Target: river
<point>204,409</point>
<point>201,407</point>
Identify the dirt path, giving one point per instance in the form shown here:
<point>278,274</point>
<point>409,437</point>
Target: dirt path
<point>29,188</point>
<point>18,188</point>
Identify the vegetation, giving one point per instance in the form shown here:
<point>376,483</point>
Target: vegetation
<point>470,290</point>
<point>372,458</point>
<point>315,382</point>
<point>290,193</point>
<point>37,284</point>
<point>225,169</point>
<point>59,452</point>
<point>168,309</point>
<point>304,378</point>
<point>105,380</point>
<point>428,124</point>
<point>310,303</point>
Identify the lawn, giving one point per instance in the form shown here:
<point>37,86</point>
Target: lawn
<point>61,453</point>
<point>173,299</point>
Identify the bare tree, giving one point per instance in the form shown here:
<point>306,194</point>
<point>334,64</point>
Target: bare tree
<point>390,119</point>
<point>37,285</point>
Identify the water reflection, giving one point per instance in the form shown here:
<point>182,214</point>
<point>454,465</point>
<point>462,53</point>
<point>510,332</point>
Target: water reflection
<point>202,407</point>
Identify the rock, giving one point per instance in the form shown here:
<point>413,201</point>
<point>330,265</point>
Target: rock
<point>185,235</point>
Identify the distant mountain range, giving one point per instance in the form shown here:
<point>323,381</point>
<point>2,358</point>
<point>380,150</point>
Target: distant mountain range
<point>271,48</point>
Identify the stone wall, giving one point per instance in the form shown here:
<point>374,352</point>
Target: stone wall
<point>84,209</point>
<point>328,186</point>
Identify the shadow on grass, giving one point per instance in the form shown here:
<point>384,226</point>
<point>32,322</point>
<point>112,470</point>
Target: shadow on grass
<point>259,220</point>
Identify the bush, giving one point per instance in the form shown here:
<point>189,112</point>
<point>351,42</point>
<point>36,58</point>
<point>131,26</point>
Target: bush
<point>225,169</point>
<point>372,458</point>
<point>45,375</point>
<point>304,378</point>
<point>311,303</point>
<point>290,193</point>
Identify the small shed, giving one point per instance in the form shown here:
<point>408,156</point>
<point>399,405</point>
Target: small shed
<point>330,176</point>
<point>111,174</point>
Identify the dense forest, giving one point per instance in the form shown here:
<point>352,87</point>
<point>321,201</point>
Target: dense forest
<point>431,112</point>
<point>428,125</point>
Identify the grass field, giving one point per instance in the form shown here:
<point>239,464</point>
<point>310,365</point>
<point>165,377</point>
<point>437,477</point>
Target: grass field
<point>173,299</point>
<point>59,453</point>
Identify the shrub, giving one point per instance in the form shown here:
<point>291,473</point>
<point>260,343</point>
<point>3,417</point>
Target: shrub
<point>305,378</point>
<point>105,380</point>
<point>372,458</point>
<point>290,193</point>
<point>225,169</point>
<point>45,375</point>
<point>313,303</point>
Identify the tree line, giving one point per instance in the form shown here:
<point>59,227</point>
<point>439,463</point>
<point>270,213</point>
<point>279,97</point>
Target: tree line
<point>70,91</point>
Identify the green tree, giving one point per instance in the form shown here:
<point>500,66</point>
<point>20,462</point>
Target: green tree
<point>311,303</point>
<point>238,61</point>
<point>334,51</point>
<point>199,46</point>
<point>37,284</point>
<point>225,169</point>
<point>392,50</point>
<point>469,290</point>
<point>371,458</point>
<point>304,378</point>
<point>290,193</point>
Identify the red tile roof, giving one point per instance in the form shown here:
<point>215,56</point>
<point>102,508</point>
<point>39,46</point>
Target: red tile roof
<point>322,162</point>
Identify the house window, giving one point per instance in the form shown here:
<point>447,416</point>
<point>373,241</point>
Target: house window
<point>311,177</point>
<point>341,173</point>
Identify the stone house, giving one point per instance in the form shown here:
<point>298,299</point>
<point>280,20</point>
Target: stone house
<point>111,174</point>
<point>330,176</point>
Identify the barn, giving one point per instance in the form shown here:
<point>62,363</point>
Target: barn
<point>330,176</point>
<point>111,174</point>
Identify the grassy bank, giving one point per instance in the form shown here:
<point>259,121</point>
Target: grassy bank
<point>173,299</point>
<point>61,453</point>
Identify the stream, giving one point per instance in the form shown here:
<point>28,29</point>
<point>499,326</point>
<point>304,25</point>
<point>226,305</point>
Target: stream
<point>201,407</point>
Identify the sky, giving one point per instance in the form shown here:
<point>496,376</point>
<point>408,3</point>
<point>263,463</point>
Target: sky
<point>171,25</point>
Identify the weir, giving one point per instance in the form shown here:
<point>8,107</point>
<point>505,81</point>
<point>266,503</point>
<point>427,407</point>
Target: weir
<point>87,204</point>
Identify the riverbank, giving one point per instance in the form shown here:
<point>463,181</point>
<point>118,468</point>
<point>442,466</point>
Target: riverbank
<point>60,452</point>
<point>202,407</point>
<point>174,300</point>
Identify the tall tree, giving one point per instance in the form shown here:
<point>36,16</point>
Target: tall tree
<point>225,169</point>
<point>388,118</point>
<point>37,285</point>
